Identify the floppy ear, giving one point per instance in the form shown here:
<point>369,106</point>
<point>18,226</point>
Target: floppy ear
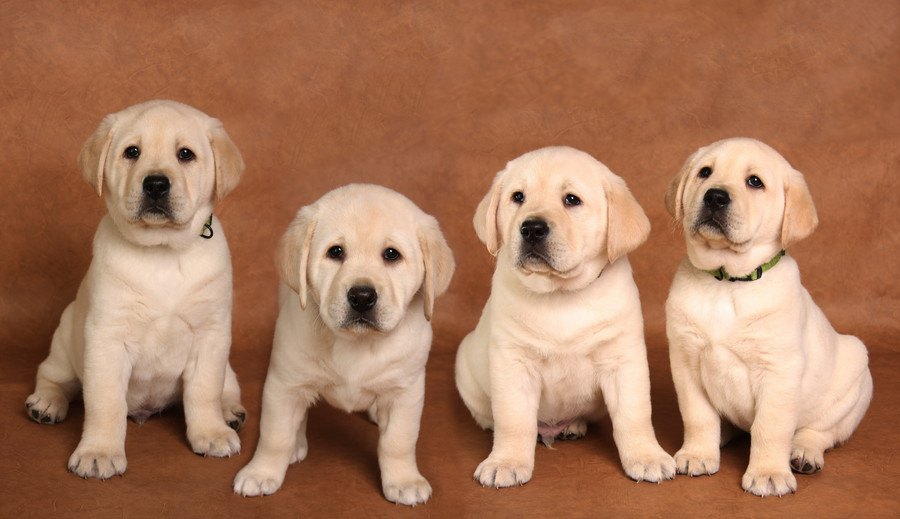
<point>92,159</point>
<point>675,193</point>
<point>485,219</point>
<point>627,225</point>
<point>439,264</point>
<point>800,219</point>
<point>292,258</point>
<point>228,160</point>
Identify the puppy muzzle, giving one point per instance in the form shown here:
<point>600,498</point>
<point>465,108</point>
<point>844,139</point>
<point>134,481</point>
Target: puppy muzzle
<point>713,216</point>
<point>361,317</point>
<point>155,201</point>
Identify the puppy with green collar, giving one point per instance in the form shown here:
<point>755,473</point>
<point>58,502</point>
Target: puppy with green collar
<point>747,343</point>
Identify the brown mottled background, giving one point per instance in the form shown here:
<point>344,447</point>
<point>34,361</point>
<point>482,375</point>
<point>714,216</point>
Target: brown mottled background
<point>431,99</point>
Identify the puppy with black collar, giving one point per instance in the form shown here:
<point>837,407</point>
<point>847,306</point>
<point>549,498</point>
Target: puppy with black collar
<point>746,341</point>
<point>151,323</point>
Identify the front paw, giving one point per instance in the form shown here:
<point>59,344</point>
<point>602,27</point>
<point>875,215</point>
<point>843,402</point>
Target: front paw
<point>256,480</point>
<point>695,462</point>
<point>97,462</point>
<point>221,442</point>
<point>503,473</point>
<point>769,482</point>
<point>653,465</point>
<point>410,492</point>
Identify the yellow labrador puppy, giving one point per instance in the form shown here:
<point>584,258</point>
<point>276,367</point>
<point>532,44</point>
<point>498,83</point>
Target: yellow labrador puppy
<point>561,339</point>
<point>151,323</point>
<point>360,269</point>
<point>746,341</point>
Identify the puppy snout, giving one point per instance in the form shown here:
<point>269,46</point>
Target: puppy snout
<point>534,231</point>
<point>362,297</point>
<point>156,186</point>
<point>716,199</point>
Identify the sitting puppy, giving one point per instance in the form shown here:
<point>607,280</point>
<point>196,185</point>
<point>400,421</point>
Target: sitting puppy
<point>746,341</point>
<point>562,331</point>
<point>152,319</point>
<point>360,269</point>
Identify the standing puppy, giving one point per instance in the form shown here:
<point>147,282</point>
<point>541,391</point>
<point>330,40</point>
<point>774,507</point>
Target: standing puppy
<point>746,341</point>
<point>152,319</point>
<point>360,269</point>
<point>562,331</point>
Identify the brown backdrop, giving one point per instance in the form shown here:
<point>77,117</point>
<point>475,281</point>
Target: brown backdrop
<point>432,99</point>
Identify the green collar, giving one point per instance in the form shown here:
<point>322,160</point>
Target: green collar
<point>207,228</point>
<point>721,274</point>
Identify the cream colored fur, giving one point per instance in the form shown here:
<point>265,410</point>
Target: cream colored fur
<point>560,339</point>
<point>759,354</point>
<point>319,353</point>
<point>151,323</point>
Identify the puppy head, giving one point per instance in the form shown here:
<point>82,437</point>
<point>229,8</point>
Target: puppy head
<point>739,202</point>
<point>160,165</point>
<point>556,216</point>
<point>363,252</point>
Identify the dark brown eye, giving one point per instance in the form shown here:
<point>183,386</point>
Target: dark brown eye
<point>518,197</point>
<point>571,200</point>
<point>336,252</point>
<point>391,254</point>
<point>705,172</point>
<point>185,155</point>
<point>132,152</point>
<point>754,182</point>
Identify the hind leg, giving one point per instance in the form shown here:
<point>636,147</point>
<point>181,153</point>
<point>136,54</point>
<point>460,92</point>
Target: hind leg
<point>809,444</point>
<point>476,399</point>
<point>56,384</point>
<point>234,413</point>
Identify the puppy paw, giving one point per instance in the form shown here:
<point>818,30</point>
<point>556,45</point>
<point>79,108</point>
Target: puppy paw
<point>97,462</point>
<point>235,415</point>
<point>408,492</point>
<point>47,407</point>
<point>769,482</point>
<point>254,480</point>
<point>503,473</point>
<point>300,451</point>
<point>653,465</point>
<point>696,463</point>
<point>576,429</point>
<point>807,460</point>
<point>221,442</point>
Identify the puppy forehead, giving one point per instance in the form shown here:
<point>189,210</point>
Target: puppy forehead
<point>741,155</point>
<point>370,220</point>
<point>555,169</point>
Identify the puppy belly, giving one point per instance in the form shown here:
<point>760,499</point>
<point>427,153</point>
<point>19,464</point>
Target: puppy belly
<point>348,398</point>
<point>726,380</point>
<point>157,365</point>
<point>561,404</point>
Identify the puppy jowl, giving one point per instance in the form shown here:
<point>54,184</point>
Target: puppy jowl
<point>563,308</point>
<point>134,344</point>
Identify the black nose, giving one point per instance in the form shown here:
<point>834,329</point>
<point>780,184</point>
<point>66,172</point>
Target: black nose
<point>362,298</point>
<point>156,186</point>
<point>534,231</point>
<point>716,199</point>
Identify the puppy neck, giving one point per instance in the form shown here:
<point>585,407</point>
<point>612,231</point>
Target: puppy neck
<point>547,283</point>
<point>201,228</point>
<point>737,264</point>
